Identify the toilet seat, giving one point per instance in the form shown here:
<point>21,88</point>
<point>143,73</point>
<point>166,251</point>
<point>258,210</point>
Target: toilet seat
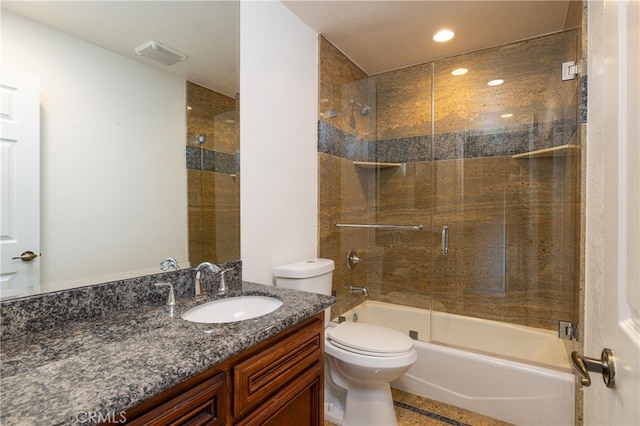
<point>369,339</point>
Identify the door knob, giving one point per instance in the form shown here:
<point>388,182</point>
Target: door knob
<point>27,256</point>
<point>605,365</point>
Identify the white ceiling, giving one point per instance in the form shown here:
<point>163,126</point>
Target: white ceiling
<point>385,35</point>
<point>207,31</point>
<point>377,35</point>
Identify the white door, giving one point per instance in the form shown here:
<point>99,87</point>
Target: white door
<point>19,185</point>
<point>615,324</point>
<point>622,215</point>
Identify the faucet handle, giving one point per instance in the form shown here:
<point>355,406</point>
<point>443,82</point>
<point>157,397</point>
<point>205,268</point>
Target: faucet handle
<point>171,299</point>
<point>223,284</point>
<point>352,259</point>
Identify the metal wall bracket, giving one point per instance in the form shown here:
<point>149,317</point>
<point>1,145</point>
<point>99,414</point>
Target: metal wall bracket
<point>567,330</point>
<point>570,70</point>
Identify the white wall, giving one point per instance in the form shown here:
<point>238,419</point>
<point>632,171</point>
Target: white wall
<point>113,178</point>
<point>278,142</point>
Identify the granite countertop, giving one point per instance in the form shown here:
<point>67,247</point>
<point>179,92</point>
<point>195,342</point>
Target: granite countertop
<point>64,375</point>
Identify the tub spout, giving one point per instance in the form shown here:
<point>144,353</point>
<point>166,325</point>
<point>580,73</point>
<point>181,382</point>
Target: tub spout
<point>363,290</point>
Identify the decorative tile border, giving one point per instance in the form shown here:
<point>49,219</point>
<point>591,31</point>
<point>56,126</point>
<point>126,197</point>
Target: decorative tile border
<point>583,98</point>
<point>213,161</point>
<point>453,145</point>
<point>429,414</point>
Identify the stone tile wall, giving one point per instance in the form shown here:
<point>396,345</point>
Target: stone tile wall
<point>212,176</point>
<point>513,222</point>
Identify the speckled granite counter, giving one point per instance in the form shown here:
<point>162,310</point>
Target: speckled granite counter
<point>109,364</point>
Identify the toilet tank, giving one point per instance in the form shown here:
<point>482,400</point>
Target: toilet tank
<point>313,275</point>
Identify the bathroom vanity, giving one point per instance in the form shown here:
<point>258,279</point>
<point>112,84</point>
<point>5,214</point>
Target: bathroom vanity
<point>279,381</point>
<point>141,365</point>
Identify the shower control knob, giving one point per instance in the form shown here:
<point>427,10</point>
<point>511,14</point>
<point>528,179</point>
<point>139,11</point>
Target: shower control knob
<point>352,259</point>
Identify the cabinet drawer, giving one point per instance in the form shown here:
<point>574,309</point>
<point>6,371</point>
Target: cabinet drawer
<point>202,405</point>
<point>265,373</point>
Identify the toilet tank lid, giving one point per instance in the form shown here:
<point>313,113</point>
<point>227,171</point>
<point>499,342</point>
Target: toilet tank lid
<point>305,268</point>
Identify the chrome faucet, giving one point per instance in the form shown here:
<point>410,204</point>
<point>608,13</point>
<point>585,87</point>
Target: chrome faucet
<point>364,290</point>
<point>169,262</point>
<point>199,291</point>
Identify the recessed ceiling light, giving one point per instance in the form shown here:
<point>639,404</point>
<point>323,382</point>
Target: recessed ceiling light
<point>508,115</point>
<point>497,82</point>
<point>459,71</point>
<point>443,35</point>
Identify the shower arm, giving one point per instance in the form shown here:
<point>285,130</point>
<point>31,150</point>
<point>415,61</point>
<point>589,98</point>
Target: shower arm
<point>364,109</point>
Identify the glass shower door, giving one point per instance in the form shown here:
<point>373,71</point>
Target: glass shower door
<point>505,185</point>
<point>375,152</point>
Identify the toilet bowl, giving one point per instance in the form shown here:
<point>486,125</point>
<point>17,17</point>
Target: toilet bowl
<point>360,359</point>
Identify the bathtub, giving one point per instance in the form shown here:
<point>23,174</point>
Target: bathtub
<point>539,391</point>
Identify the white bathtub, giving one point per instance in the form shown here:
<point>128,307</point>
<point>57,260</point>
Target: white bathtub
<point>516,392</point>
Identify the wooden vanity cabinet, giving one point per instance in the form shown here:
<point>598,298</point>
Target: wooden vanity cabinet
<point>282,381</point>
<point>276,382</point>
<point>299,403</point>
<point>204,404</point>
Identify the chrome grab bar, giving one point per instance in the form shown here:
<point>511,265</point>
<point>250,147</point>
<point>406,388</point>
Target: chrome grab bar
<point>445,240</point>
<point>390,227</point>
<point>605,365</point>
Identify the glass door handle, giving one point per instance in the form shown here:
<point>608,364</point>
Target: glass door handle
<point>445,240</point>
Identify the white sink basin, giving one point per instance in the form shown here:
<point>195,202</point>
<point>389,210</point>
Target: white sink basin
<point>232,309</point>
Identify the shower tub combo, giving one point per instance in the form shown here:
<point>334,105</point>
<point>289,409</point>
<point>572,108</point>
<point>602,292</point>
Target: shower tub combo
<point>539,391</point>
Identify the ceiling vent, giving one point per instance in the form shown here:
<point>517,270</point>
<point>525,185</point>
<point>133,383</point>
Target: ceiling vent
<point>160,52</point>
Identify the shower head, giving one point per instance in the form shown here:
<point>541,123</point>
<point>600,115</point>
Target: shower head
<point>364,109</point>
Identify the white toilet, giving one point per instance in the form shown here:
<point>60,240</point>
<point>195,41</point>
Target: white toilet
<point>360,359</point>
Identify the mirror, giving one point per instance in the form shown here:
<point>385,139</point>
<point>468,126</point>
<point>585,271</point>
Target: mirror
<point>117,134</point>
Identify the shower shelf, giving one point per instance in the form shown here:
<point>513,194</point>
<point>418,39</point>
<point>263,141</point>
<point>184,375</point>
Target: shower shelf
<point>375,165</point>
<point>547,152</point>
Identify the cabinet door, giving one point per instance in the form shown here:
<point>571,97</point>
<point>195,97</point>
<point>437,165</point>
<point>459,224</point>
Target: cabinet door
<point>203,404</point>
<point>300,403</point>
<point>271,369</point>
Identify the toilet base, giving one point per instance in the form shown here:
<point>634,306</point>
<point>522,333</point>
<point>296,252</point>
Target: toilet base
<point>370,405</point>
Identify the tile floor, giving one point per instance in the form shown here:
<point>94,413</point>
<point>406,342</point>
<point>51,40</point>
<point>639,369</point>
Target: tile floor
<point>413,410</point>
